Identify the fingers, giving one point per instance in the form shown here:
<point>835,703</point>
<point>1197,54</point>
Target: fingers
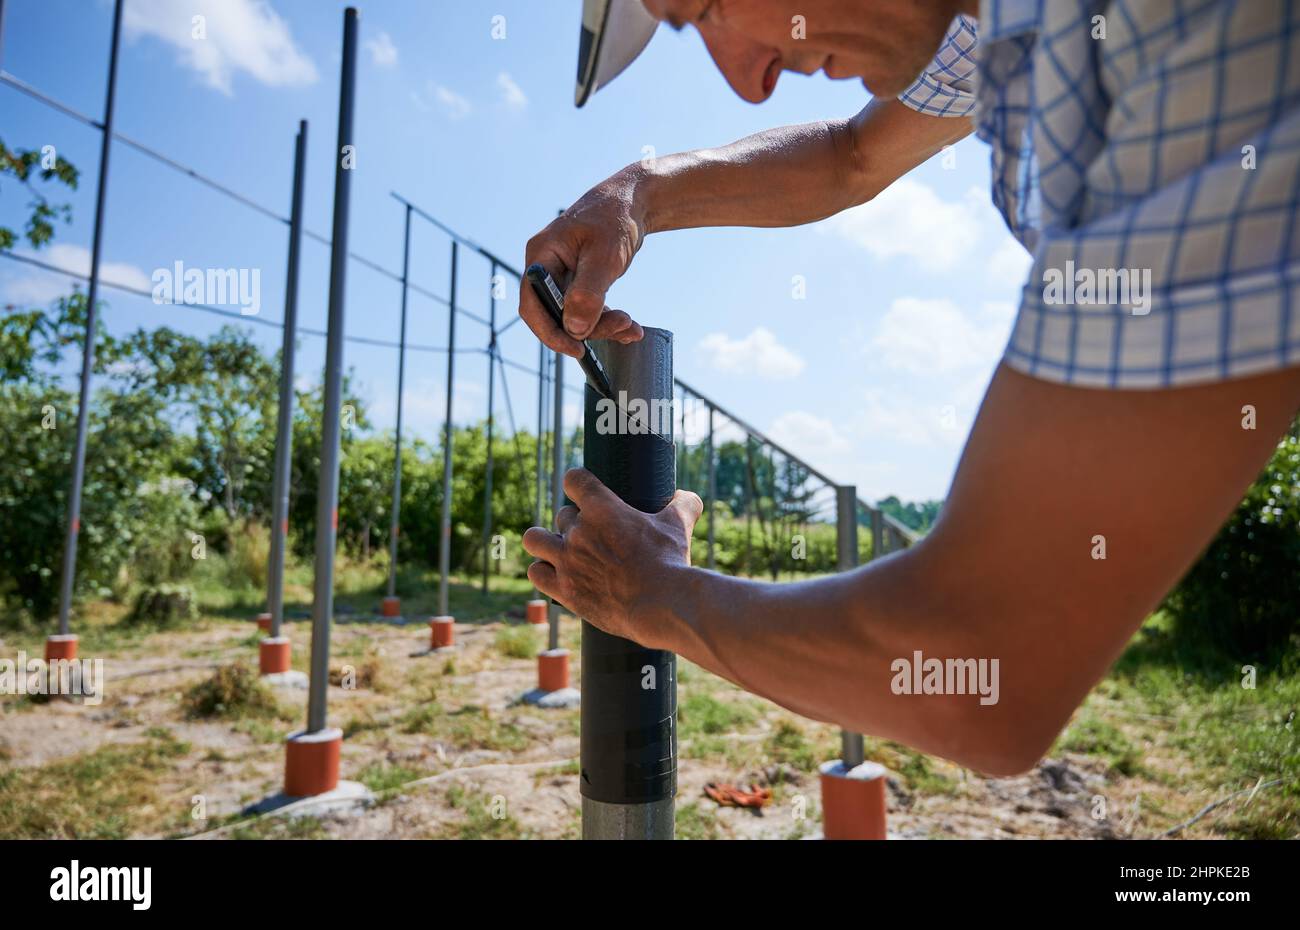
<point>543,578</point>
<point>584,301</point>
<point>540,544</point>
<point>618,326</point>
<point>541,322</point>
<point>565,519</point>
<point>585,490</point>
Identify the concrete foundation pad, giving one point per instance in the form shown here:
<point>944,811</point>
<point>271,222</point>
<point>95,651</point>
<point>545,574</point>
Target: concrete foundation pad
<point>289,679</point>
<point>348,797</point>
<point>565,697</point>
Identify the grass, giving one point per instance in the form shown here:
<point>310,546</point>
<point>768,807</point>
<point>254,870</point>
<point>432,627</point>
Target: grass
<point>470,727</point>
<point>481,817</point>
<point>111,793</point>
<point>516,642</point>
<point>382,778</point>
<point>694,822</point>
<point>704,714</point>
<point>233,692</point>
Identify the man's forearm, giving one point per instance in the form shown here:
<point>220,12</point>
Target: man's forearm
<point>792,174</point>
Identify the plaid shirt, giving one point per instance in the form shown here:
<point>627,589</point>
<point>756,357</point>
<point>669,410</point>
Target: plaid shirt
<point>1147,153</point>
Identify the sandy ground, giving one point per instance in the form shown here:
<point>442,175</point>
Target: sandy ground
<point>482,763</point>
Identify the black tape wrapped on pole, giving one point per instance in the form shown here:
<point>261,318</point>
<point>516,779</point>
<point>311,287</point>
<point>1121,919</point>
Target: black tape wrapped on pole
<point>629,693</point>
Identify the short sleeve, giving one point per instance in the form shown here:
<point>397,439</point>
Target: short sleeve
<point>947,86</point>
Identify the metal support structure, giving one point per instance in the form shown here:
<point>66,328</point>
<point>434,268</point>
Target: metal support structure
<point>88,350</point>
<point>395,523</point>
<point>557,486</point>
<point>712,488</point>
<point>327,514</point>
<point>444,535</point>
<point>628,753</point>
<point>284,413</point>
<point>541,431</point>
<point>487,490</point>
<point>2,33</point>
<point>852,752</point>
<point>877,534</point>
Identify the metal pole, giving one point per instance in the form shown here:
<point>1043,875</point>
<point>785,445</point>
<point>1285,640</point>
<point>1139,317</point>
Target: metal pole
<point>487,488</point>
<point>852,752</point>
<point>2,33</point>
<point>628,753</point>
<point>284,414</point>
<point>541,429</point>
<point>712,487</point>
<point>557,487</point>
<point>327,495</point>
<point>444,543</point>
<point>88,350</point>
<point>397,442</point>
<point>877,534</point>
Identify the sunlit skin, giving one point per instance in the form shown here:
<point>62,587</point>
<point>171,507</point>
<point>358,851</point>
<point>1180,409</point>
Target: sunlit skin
<point>1008,571</point>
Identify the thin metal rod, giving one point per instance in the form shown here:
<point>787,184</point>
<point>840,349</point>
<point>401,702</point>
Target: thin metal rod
<point>491,409</point>
<point>23,87</point>
<point>284,414</point>
<point>540,473</point>
<point>2,33</point>
<point>88,350</point>
<point>327,495</point>
<point>557,485</point>
<point>712,488</point>
<point>395,523</point>
<point>444,536</point>
<point>457,237</point>
<point>852,751</point>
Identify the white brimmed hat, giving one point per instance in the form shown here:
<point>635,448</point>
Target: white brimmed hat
<point>613,33</point>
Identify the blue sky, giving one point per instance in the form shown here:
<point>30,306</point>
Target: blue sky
<point>874,376</point>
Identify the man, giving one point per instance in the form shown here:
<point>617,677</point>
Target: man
<point>1156,139</point>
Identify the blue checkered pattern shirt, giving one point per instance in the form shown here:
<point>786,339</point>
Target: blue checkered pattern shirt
<point>1147,154</point>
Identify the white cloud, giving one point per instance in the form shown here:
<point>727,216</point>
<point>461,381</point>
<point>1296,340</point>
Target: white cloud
<point>929,337</point>
<point>237,35</point>
<point>435,95</point>
<point>909,220</point>
<point>901,419</point>
<point>1009,264</point>
<point>38,287</point>
<point>383,53</point>
<point>758,353</point>
<point>809,436</point>
<point>511,93</point>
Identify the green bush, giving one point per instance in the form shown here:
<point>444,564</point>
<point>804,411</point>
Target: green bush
<point>164,605</point>
<point>1240,596</point>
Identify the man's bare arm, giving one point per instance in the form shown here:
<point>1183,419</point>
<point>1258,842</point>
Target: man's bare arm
<point>781,177</point>
<point>1008,573</point>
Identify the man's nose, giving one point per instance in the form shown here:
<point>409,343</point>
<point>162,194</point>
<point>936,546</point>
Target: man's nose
<point>743,62</point>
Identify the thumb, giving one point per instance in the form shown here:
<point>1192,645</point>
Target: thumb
<point>685,508</point>
<point>587,491</point>
<point>584,300</point>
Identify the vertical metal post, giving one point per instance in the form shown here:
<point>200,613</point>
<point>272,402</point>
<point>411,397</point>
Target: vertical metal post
<point>541,430</point>
<point>284,414</point>
<point>2,33</point>
<point>395,523</point>
<point>877,534</point>
<point>88,351</point>
<point>852,752</point>
<point>712,488</point>
<point>444,539</point>
<point>628,754</point>
<point>487,488</point>
<point>557,487</point>
<point>327,496</point>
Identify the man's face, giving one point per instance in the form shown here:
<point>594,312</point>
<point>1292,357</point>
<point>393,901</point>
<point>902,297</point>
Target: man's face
<point>884,43</point>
